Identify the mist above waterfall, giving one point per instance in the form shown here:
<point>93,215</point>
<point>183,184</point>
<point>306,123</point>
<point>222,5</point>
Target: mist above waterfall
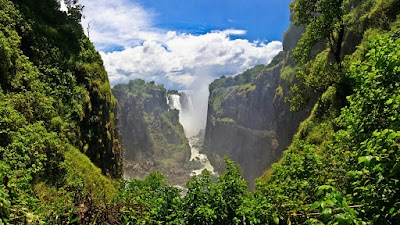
<point>194,121</point>
<point>192,105</point>
<point>192,108</point>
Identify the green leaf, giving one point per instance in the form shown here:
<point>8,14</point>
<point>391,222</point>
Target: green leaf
<point>391,210</point>
<point>325,187</point>
<point>385,131</point>
<point>361,159</point>
<point>376,133</point>
<point>326,213</point>
<point>328,203</point>
<point>392,136</point>
<point>76,219</point>
<point>276,220</point>
<point>389,101</point>
<point>342,219</point>
<point>398,98</point>
<point>365,159</point>
<point>315,205</point>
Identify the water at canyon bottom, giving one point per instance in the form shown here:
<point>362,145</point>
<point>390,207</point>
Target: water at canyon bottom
<point>198,160</point>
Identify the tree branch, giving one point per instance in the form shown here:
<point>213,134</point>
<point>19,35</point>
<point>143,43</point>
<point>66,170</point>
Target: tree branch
<point>319,214</point>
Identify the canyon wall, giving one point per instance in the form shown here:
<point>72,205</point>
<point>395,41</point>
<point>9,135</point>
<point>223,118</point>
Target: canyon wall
<point>152,137</point>
<point>248,118</point>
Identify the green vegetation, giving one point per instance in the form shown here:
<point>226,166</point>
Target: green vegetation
<point>152,136</point>
<point>343,165</point>
<point>334,29</point>
<point>278,93</point>
<point>59,151</point>
<point>243,89</point>
<point>227,120</point>
<point>228,87</point>
<point>240,79</point>
<point>288,74</point>
<point>324,23</point>
<point>56,110</point>
<point>152,201</point>
<point>140,88</point>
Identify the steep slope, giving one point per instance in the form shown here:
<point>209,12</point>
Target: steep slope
<point>56,115</point>
<point>342,167</point>
<point>343,164</point>
<point>72,74</point>
<point>252,117</point>
<point>248,117</point>
<point>152,137</point>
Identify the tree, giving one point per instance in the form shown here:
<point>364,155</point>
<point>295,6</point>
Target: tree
<point>151,201</point>
<point>320,48</point>
<point>74,9</point>
<point>200,202</point>
<point>324,21</point>
<point>231,192</point>
<point>372,123</point>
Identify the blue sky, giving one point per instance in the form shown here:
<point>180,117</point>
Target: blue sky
<point>262,19</point>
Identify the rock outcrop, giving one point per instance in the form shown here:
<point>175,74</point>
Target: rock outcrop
<point>248,117</point>
<point>152,137</point>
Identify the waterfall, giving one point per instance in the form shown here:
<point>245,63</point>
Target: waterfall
<point>183,103</point>
<point>174,102</point>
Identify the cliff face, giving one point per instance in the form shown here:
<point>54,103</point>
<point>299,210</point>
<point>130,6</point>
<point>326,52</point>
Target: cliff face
<point>152,136</point>
<point>57,133</point>
<point>248,118</point>
<point>57,78</point>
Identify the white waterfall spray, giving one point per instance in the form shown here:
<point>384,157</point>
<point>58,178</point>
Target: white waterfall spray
<point>192,128</point>
<point>174,102</point>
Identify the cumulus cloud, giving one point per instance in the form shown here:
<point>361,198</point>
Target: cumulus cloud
<point>118,22</point>
<point>168,57</point>
<point>181,58</point>
<point>180,61</point>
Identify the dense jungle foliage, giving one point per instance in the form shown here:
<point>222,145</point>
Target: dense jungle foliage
<point>57,129</point>
<point>56,115</point>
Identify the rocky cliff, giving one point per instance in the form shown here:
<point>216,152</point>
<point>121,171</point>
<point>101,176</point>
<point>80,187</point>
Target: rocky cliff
<point>248,117</point>
<point>57,78</point>
<point>152,137</point>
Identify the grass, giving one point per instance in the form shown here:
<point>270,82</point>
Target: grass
<point>243,89</point>
<point>278,93</point>
<point>288,74</point>
<point>226,120</point>
<point>81,169</point>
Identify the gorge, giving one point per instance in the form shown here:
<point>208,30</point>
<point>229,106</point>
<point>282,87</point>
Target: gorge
<point>159,132</point>
<point>325,112</point>
<point>246,117</point>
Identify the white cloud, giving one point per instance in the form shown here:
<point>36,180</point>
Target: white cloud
<point>234,32</point>
<point>176,59</point>
<point>63,7</point>
<point>118,22</point>
<point>184,57</point>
